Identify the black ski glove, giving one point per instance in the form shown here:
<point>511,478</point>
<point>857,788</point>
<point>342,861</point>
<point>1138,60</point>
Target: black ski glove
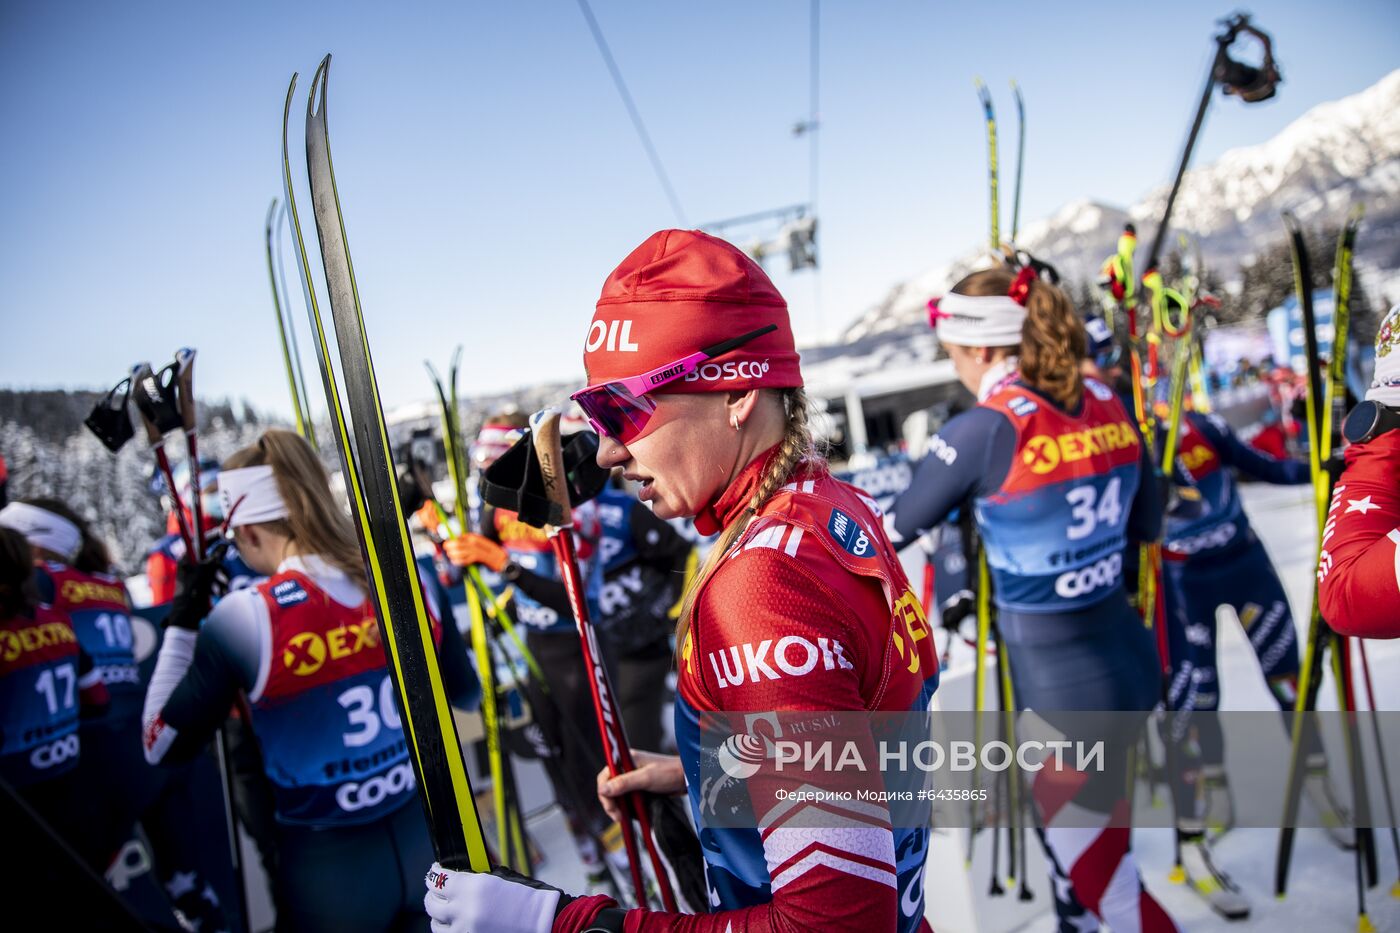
<point>196,585</point>
<point>958,607</point>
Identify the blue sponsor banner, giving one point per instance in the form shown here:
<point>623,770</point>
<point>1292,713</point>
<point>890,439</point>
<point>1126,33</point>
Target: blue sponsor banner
<point>1286,330</point>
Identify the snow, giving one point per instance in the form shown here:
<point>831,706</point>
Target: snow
<point>1322,882</point>
<point>1322,889</point>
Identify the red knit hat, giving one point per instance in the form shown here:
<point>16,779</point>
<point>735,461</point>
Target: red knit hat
<point>678,292</point>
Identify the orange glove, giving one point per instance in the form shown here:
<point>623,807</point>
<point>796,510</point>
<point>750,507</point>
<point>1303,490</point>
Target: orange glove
<point>474,549</point>
<point>428,516</point>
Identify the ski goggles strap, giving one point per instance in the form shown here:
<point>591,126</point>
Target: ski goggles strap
<point>620,409</point>
<point>514,482</point>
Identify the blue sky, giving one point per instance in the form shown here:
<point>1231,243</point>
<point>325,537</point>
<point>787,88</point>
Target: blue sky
<point>490,177</point>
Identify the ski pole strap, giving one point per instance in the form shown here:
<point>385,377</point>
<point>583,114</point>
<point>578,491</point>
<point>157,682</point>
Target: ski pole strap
<point>516,483</point>
<point>110,420</point>
<point>155,397</point>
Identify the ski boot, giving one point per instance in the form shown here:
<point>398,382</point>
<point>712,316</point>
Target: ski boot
<point>1198,871</point>
<point>1219,801</point>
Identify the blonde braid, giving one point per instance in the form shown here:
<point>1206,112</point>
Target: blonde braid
<point>795,447</point>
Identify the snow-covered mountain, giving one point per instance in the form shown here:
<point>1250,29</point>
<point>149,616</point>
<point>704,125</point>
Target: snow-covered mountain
<point>1335,155</point>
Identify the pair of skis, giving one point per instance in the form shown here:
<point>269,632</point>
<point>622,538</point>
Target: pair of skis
<point>165,403</point>
<point>371,485</point>
<point>993,166</point>
<point>1325,404</point>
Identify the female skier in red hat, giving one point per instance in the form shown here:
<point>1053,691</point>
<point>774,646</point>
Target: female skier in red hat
<point>695,390</point>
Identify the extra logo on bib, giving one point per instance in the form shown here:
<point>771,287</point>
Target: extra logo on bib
<point>306,652</point>
<point>849,534</point>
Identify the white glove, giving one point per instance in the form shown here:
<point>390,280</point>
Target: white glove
<point>501,902</point>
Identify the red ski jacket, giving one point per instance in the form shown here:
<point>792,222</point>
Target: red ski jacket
<point>1359,567</point>
<point>809,610</point>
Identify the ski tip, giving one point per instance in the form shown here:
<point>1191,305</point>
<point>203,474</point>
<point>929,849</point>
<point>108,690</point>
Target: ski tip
<point>319,81</point>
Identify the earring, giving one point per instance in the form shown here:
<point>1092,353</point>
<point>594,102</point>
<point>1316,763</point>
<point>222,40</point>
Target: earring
<point>734,421</point>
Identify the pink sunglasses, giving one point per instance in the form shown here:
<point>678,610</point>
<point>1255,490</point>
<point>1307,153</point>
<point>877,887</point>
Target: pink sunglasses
<point>620,409</point>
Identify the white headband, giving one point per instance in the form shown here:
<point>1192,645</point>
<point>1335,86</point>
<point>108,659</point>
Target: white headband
<point>43,528</point>
<point>250,496</point>
<point>977,321</point>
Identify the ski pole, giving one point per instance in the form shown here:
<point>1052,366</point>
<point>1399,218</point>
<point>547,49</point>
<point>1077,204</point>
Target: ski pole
<point>1001,787</point>
<point>1311,672</point>
<point>165,401</point>
<point>1380,756</point>
<point>1332,417</point>
<point>979,685</point>
<point>1364,855</point>
<point>994,889</point>
<point>156,405</point>
<point>184,380</point>
<point>507,816</point>
<point>544,426</point>
<point>1016,826</point>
